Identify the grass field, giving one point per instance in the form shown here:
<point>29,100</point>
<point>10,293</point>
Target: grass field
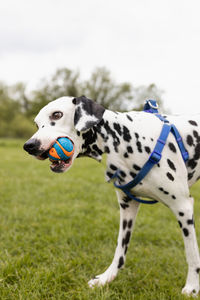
<point>59,230</point>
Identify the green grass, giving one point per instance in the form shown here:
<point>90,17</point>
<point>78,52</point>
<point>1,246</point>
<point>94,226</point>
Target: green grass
<point>59,230</point>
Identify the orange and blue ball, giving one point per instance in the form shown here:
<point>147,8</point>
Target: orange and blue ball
<point>63,149</point>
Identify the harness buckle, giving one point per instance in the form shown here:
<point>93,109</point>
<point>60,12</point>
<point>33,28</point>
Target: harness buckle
<point>155,157</point>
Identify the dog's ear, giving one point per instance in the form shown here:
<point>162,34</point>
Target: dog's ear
<point>87,113</point>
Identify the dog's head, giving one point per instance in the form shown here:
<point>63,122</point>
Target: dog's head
<point>64,117</point>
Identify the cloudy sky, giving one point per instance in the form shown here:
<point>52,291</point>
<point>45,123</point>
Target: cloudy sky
<point>139,41</point>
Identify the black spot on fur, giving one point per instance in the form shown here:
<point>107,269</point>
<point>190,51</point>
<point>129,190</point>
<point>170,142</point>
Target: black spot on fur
<point>114,168</point>
<point>130,223</point>
<point>132,174</point>
<point>96,149</point>
<point>127,237</point>
<point>136,167</point>
<point>124,205</point>
<point>121,262</point>
<point>139,146</point>
<point>185,232</point>
<point>173,197</point>
<point>89,137</point>
<point>129,118</point>
<point>136,135</point>
<point>52,123</point>
<point>190,140</point>
<point>196,135</point>
<point>180,224</point>
<point>130,149</point>
<point>181,214</point>
<point>115,145</point>
<point>162,190</point>
<point>110,175</point>
<point>172,147</point>
<point>122,173</point>
<point>198,270</point>
<point>107,150</point>
<point>192,163</point>
<point>126,134</point>
<point>190,175</point>
<point>193,123</point>
<point>124,224</point>
<point>117,127</point>
<point>169,175</point>
<point>74,101</point>
<point>190,222</point>
<point>126,155</point>
<point>147,149</point>
<point>126,248</point>
<point>171,164</point>
<point>77,115</point>
<point>197,152</point>
<point>126,199</point>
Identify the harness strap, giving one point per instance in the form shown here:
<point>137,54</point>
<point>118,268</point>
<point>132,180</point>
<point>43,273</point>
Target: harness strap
<point>179,140</point>
<point>152,107</point>
<point>153,159</point>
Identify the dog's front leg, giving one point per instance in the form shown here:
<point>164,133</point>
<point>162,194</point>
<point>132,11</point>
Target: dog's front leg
<point>128,213</point>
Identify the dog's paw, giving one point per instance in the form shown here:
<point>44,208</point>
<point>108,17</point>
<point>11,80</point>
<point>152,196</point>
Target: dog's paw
<point>190,291</point>
<point>102,279</point>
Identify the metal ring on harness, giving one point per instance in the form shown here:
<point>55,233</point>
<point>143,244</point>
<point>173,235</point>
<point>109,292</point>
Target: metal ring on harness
<point>152,104</point>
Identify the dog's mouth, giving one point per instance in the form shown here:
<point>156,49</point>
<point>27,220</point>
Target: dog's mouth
<point>60,166</point>
<point>57,166</point>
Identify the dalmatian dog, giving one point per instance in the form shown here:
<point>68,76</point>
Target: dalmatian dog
<point>128,140</point>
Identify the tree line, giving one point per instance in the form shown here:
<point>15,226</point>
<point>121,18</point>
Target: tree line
<point>18,108</point>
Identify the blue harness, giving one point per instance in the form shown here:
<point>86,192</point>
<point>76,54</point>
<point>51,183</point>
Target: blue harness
<point>152,107</point>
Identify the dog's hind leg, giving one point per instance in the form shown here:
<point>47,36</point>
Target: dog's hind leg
<point>183,211</point>
<point>128,213</point>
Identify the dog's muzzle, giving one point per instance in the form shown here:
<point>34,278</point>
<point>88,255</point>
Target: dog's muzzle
<point>32,146</point>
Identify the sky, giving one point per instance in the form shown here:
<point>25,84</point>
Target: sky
<point>139,41</point>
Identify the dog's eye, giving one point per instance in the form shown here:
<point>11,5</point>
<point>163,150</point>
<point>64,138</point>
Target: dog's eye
<point>56,115</point>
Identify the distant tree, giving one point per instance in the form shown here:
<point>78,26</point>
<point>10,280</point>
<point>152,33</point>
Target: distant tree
<point>18,93</point>
<point>17,108</point>
<point>104,90</point>
<point>8,107</point>
<point>13,122</point>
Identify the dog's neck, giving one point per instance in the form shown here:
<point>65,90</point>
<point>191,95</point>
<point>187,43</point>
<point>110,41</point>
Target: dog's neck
<point>97,139</point>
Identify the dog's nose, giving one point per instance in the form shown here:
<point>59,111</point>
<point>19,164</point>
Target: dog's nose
<point>32,146</point>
